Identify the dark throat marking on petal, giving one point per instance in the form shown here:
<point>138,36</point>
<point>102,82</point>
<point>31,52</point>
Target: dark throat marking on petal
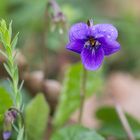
<point>91,43</point>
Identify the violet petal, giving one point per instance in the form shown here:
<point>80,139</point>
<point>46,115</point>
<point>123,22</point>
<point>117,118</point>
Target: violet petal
<point>107,30</point>
<point>75,46</point>
<point>6,135</point>
<point>92,59</point>
<point>109,46</point>
<point>78,31</point>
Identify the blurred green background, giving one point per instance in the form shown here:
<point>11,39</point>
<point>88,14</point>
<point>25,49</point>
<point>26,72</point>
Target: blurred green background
<point>43,36</point>
<point>38,42</point>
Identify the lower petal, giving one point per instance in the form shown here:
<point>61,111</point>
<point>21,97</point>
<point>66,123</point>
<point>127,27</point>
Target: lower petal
<point>92,59</point>
<point>75,46</point>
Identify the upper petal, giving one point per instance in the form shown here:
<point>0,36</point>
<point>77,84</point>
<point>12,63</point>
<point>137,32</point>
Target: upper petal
<point>75,46</point>
<point>107,30</point>
<point>92,59</point>
<point>109,46</point>
<point>78,31</point>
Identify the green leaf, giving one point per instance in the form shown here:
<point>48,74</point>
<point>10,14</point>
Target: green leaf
<point>107,114</point>
<point>70,95</point>
<point>111,125</point>
<point>76,132</point>
<point>5,33</point>
<point>5,102</point>
<point>10,30</point>
<point>7,69</point>
<point>7,38</point>
<point>14,42</point>
<point>15,75</point>
<point>3,26</point>
<point>36,118</point>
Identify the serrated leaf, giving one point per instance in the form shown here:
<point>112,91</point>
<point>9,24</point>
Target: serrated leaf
<point>76,132</point>
<point>36,118</point>
<point>70,95</point>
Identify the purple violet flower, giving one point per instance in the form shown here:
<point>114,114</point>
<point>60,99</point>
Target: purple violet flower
<point>6,135</point>
<point>93,42</point>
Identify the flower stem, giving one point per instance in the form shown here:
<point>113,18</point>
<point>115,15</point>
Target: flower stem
<point>82,94</point>
<point>124,122</point>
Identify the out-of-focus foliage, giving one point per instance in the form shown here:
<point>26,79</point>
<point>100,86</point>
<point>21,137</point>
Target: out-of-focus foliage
<point>31,20</point>
<point>70,95</point>
<point>76,132</point>
<point>27,12</point>
<point>111,126</point>
<point>5,103</point>
<point>24,92</point>
<point>36,118</point>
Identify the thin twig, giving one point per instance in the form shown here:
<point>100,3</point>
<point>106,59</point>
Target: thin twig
<point>83,94</point>
<point>124,120</point>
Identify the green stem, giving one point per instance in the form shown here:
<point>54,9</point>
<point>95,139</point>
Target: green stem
<point>124,121</point>
<point>14,80</point>
<point>11,67</point>
<point>82,94</point>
